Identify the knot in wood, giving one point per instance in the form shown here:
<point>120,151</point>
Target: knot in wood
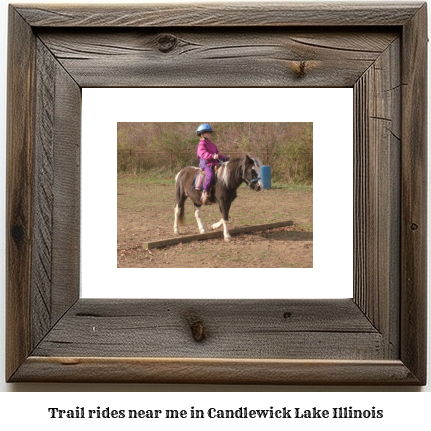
<point>167,42</point>
<point>18,233</point>
<point>197,328</point>
<point>300,69</point>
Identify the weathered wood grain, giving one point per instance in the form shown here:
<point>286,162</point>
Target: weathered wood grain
<point>55,277</point>
<point>220,15</point>
<point>414,194</point>
<point>216,371</point>
<point>269,329</point>
<point>43,194</point>
<point>67,199</point>
<point>377,181</point>
<point>19,199</point>
<point>228,58</point>
<point>54,336</point>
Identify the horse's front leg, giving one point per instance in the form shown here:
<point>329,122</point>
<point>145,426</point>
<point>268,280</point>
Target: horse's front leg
<point>198,218</point>
<point>224,209</point>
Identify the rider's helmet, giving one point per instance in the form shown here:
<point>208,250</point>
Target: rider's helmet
<point>204,128</point>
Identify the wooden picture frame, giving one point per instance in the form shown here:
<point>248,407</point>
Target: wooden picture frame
<point>376,338</point>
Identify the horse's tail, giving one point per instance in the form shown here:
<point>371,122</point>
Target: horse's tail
<point>179,198</point>
<point>181,213</point>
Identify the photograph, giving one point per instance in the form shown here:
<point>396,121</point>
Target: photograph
<point>249,183</point>
<point>184,186</point>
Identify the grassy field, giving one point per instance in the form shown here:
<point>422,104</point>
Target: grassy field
<point>145,212</point>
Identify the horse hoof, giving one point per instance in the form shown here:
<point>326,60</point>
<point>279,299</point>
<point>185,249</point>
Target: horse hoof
<point>228,238</point>
<point>203,231</point>
<point>176,232</point>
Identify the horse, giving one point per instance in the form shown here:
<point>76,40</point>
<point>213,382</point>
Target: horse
<point>229,176</point>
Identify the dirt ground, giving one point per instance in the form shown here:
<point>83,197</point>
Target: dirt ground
<point>145,212</point>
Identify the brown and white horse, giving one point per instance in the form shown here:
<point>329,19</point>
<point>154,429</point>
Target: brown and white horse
<point>228,178</point>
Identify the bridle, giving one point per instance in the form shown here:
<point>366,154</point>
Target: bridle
<point>250,183</point>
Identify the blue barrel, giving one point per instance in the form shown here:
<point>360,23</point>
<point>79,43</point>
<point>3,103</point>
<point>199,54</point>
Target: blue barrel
<point>265,176</point>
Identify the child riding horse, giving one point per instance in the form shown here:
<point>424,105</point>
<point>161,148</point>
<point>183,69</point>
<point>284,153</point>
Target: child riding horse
<point>229,177</point>
<point>208,155</point>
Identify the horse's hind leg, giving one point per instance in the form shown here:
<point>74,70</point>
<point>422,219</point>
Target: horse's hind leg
<point>198,218</point>
<point>180,199</point>
<point>177,213</point>
<point>218,224</point>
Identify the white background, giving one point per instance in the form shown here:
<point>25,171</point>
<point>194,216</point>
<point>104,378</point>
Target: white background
<point>403,409</point>
<point>330,110</point>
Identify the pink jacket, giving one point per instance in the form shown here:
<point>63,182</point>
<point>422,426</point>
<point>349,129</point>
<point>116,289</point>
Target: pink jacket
<point>206,151</point>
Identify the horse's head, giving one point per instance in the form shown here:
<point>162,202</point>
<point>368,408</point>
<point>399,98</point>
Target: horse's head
<point>251,173</point>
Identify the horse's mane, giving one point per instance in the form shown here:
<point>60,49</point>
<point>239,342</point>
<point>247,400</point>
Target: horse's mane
<point>233,170</point>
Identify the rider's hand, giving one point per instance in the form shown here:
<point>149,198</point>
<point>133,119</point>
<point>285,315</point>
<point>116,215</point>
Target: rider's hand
<point>227,158</point>
<point>216,156</point>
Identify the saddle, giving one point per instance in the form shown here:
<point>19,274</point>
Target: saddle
<point>199,179</point>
